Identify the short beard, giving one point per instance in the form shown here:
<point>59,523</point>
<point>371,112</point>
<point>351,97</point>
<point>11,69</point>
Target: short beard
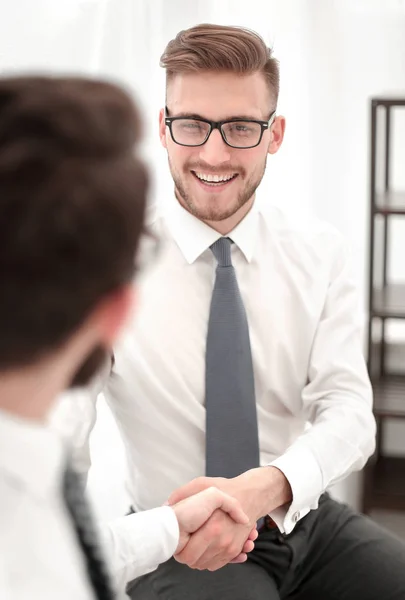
<point>90,367</point>
<point>214,214</point>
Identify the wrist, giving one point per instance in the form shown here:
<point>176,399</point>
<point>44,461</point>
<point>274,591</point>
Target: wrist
<point>184,535</point>
<point>274,488</point>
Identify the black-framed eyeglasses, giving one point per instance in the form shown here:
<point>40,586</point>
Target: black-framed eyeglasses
<point>236,133</point>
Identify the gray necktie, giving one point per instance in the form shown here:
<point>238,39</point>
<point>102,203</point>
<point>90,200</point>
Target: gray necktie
<point>232,442</point>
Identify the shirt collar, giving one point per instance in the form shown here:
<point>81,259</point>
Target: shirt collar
<point>31,454</point>
<point>194,236</point>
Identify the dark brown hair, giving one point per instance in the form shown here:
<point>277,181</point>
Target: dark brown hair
<point>210,47</point>
<point>72,203</point>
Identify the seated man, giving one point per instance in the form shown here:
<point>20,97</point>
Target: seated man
<point>252,360</point>
<point>72,203</point>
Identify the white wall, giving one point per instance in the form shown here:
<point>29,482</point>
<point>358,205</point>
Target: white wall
<point>360,52</point>
<point>334,55</point>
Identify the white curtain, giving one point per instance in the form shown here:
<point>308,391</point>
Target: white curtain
<point>334,54</point>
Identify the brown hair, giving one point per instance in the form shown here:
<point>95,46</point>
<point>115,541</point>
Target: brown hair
<point>72,202</point>
<point>221,48</point>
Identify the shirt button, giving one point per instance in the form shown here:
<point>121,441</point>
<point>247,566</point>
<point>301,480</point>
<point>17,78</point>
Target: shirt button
<point>296,516</point>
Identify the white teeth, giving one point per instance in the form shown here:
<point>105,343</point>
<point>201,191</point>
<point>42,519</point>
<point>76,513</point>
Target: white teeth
<point>214,178</point>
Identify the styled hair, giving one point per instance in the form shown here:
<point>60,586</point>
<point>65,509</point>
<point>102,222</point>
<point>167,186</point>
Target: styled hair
<point>72,203</point>
<point>208,47</point>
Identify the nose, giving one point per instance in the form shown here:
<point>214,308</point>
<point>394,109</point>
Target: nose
<point>215,151</point>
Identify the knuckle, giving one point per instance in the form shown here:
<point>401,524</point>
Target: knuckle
<point>185,558</point>
<point>225,543</point>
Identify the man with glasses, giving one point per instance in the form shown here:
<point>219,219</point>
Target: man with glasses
<point>248,350</point>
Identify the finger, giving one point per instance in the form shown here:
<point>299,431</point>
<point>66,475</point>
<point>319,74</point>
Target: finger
<point>239,559</point>
<point>253,535</point>
<point>248,546</point>
<point>215,558</point>
<point>232,507</point>
<point>212,562</point>
<point>194,550</point>
<point>190,489</point>
<point>213,499</point>
<point>203,550</point>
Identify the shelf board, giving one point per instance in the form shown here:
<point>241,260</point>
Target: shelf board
<point>390,203</point>
<point>394,359</point>
<point>389,302</point>
<point>394,99</point>
<point>385,483</point>
<point>389,396</point>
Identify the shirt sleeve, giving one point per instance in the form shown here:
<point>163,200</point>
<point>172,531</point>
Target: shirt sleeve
<point>137,544</point>
<point>337,401</point>
<point>80,441</point>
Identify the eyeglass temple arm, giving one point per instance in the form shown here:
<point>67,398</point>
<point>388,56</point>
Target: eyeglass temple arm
<point>272,118</point>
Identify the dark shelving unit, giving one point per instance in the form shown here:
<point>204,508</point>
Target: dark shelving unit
<point>384,476</point>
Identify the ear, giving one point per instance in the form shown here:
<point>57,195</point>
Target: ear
<point>110,315</point>
<point>277,131</point>
<point>162,128</point>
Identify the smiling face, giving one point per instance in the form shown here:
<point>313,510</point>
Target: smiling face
<point>215,182</point>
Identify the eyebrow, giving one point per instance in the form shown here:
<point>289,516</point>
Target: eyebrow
<point>186,115</point>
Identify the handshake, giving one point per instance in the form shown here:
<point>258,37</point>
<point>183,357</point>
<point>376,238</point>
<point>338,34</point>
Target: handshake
<point>217,516</point>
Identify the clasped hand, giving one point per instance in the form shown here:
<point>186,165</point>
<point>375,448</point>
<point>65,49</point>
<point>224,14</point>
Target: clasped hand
<point>228,531</point>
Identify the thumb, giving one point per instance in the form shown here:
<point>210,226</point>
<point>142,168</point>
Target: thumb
<point>192,513</point>
<point>212,499</point>
<point>190,489</point>
<point>231,506</point>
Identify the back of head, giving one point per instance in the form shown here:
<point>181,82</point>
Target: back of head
<point>72,202</point>
<point>209,47</point>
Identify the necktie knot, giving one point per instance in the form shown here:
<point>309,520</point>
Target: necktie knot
<point>221,249</point>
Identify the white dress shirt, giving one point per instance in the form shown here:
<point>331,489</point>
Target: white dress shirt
<point>40,557</point>
<point>312,389</point>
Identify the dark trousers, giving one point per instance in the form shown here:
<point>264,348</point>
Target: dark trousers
<point>332,554</point>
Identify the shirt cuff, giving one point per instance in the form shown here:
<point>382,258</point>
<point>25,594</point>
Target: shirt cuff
<point>303,473</point>
<point>163,527</point>
<point>140,542</point>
